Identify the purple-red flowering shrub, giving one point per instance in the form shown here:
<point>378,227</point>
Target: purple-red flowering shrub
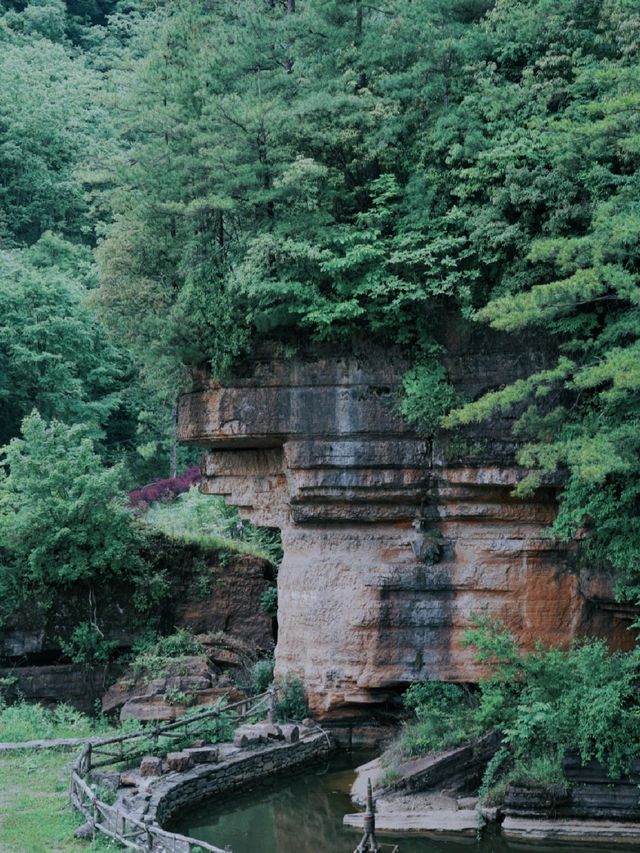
<point>166,490</point>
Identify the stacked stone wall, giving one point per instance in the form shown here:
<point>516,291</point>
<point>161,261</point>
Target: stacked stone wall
<point>178,791</point>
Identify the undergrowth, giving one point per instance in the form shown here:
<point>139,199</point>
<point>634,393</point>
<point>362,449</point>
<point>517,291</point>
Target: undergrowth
<point>205,520</point>
<point>155,656</point>
<point>543,703</point>
<point>24,721</point>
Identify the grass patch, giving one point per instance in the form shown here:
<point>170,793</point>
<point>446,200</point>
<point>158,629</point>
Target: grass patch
<point>35,815</point>
<point>24,721</point>
<point>159,657</point>
<point>206,521</point>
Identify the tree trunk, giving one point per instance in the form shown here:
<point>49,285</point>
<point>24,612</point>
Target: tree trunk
<point>173,454</point>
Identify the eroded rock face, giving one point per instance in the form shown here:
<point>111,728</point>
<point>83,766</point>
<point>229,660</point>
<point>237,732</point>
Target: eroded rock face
<point>391,541</point>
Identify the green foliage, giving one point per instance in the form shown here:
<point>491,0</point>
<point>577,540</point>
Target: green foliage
<point>8,686</point>
<point>427,396</point>
<point>23,721</point>
<point>275,185</point>
<point>478,158</point>
<point>544,703</point>
<point>174,696</point>
<point>291,703</point>
<point>156,656</point>
<point>53,354</point>
<point>445,716</point>
<point>262,675</point>
<point>494,769</point>
<point>212,730</point>
<point>87,646</point>
<point>269,601</point>
<point>548,701</point>
<point>199,519</point>
<point>62,518</point>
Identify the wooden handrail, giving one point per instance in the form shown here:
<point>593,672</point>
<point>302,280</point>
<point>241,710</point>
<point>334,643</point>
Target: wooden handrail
<point>151,838</point>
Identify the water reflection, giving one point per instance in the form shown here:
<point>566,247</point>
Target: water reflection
<point>303,814</point>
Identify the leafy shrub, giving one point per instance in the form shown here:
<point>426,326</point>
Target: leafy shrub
<point>262,675</point>
<point>87,646</point>
<point>427,396</point>
<point>544,703</point>
<point>174,696</point>
<point>548,701</point>
<point>155,656</point>
<point>63,519</point>
<point>166,490</point>
<point>445,716</point>
<point>269,601</point>
<point>291,703</point>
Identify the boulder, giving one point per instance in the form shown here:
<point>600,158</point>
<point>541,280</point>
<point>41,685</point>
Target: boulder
<point>108,779</point>
<point>150,766</point>
<point>178,762</point>
<point>203,754</point>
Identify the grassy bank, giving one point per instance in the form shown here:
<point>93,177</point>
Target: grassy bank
<point>35,816</point>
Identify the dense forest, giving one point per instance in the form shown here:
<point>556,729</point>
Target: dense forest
<point>182,180</point>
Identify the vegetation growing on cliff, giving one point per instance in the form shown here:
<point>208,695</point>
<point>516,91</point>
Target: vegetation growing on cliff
<point>241,180</point>
<point>478,157</point>
<point>543,703</point>
<point>207,521</point>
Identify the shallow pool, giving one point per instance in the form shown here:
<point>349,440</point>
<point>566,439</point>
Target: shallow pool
<point>303,814</point>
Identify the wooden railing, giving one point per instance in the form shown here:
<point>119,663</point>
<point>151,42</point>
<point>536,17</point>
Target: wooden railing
<point>115,822</point>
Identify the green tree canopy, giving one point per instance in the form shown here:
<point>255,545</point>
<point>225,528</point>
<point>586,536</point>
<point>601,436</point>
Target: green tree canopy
<point>62,515</point>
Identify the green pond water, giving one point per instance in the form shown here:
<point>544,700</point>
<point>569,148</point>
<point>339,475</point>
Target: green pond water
<point>303,814</point>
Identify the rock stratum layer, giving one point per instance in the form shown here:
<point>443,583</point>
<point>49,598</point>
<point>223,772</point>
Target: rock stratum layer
<point>391,541</point>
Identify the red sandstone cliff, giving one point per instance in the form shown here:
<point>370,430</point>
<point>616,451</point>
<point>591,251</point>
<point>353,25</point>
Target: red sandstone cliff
<point>391,541</point>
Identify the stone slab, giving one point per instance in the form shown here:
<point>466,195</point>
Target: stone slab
<point>571,831</point>
<point>436,822</point>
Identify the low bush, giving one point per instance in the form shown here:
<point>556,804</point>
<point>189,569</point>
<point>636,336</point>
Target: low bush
<point>262,675</point>
<point>155,656</point>
<point>207,521</point>
<point>25,721</point>
<point>87,646</point>
<point>291,703</point>
<point>166,490</point>
<point>544,703</point>
<point>446,715</point>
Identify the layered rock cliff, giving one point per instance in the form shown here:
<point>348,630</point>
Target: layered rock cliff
<point>391,540</point>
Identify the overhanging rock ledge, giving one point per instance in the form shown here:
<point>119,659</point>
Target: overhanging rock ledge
<point>391,541</point>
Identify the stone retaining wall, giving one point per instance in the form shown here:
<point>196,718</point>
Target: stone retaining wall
<point>589,793</point>
<point>181,790</point>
